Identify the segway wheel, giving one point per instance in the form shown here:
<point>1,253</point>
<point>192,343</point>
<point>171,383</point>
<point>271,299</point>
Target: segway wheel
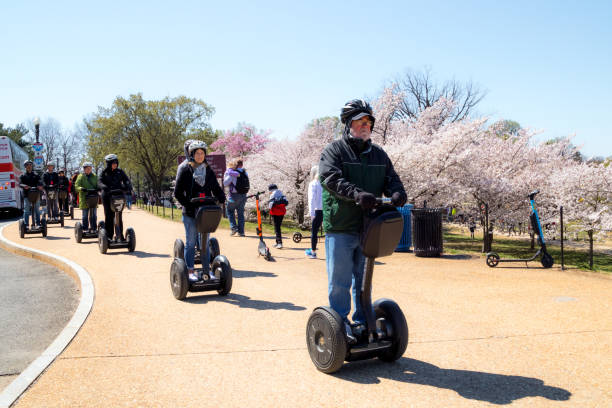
<point>62,218</point>
<point>101,225</point>
<point>131,239</point>
<point>102,241</point>
<point>297,237</point>
<point>43,225</point>
<point>326,341</point>
<point>213,248</point>
<point>22,228</point>
<point>179,249</point>
<point>492,259</point>
<point>78,232</point>
<point>71,212</point>
<point>178,279</point>
<point>390,316</point>
<point>547,260</point>
<point>223,270</point>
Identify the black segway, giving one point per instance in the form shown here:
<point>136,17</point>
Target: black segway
<point>91,198</point>
<point>63,195</point>
<point>51,201</point>
<point>546,259</point>
<point>386,332</point>
<point>208,216</point>
<point>33,195</point>
<point>262,248</point>
<point>117,204</point>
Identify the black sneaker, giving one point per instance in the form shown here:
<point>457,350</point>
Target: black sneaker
<point>351,339</point>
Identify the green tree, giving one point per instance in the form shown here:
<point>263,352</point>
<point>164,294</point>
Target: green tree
<point>148,136</point>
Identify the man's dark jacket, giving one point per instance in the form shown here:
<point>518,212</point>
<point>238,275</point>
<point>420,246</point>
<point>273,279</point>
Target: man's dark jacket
<point>347,167</point>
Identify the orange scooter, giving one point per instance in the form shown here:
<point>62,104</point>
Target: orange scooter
<point>262,249</point>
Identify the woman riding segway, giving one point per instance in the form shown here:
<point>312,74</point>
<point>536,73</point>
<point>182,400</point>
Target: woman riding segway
<point>195,180</point>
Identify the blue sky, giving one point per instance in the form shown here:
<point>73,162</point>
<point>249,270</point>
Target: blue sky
<point>278,65</point>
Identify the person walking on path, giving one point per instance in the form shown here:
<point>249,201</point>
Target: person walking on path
<point>278,208</point>
<point>84,182</point>
<point>315,208</point>
<point>27,181</point>
<point>237,180</point>
<point>353,171</point>
<point>196,179</point>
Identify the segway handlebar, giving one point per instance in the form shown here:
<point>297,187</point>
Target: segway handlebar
<point>204,200</point>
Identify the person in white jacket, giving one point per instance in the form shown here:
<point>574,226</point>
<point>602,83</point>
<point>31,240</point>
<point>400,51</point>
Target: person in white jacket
<point>315,207</point>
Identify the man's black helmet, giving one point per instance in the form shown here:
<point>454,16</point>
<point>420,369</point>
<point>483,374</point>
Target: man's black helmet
<point>110,158</point>
<point>356,109</point>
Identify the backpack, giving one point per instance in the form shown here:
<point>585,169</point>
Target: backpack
<point>242,183</point>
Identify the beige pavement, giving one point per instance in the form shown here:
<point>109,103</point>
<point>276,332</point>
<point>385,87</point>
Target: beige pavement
<point>478,336</point>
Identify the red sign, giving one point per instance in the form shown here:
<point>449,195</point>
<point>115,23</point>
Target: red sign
<point>216,161</point>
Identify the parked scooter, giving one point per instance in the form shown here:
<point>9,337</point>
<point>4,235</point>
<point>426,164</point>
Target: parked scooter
<point>262,248</point>
<point>546,259</point>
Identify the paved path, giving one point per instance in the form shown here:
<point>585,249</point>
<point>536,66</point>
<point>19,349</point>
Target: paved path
<point>478,336</point>
<point>36,302</point>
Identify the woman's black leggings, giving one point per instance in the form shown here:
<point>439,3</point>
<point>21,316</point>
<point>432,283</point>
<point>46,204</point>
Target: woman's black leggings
<point>316,224</point>
<point>278,220</point>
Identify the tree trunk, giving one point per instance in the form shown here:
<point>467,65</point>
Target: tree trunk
<point>590,232</point>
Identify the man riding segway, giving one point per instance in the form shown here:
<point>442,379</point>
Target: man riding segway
<point>112,179</point>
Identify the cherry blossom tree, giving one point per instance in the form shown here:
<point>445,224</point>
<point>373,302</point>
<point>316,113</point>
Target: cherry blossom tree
<point>242,141</point>
<point>585,192</point>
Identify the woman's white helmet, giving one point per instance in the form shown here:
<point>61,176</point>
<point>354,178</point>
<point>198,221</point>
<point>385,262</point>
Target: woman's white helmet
<point>87,164</point>
<point>109,158</point>
<point>195,145</point>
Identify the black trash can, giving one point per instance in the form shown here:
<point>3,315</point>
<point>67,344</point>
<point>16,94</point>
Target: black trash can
<point>427,231</point>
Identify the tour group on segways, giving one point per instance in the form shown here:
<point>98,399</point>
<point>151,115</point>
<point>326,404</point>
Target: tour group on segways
<point>385,334</point>
<point>493,258</point>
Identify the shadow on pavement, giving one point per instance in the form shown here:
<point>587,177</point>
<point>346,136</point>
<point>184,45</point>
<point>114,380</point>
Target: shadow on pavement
<point>52,238</point>
<point>493,388</point>
<point>456,256</point>
<point>237,273</point>
<point>137,254</point>
<point>245,302</point>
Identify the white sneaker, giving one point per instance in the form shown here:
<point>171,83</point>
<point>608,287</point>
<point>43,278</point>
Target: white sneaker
<point>279,246</point>
<point>193,277</point>
<point>212,275</point>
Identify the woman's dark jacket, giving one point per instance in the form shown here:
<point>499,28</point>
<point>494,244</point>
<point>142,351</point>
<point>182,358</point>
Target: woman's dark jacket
<point>186,188</point>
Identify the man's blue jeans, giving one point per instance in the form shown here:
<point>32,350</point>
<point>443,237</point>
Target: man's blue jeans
<point>27,210</point>
<point>85,220</point>
<point>191,237</point>
<point>235,203</point>
<point>345,267</point>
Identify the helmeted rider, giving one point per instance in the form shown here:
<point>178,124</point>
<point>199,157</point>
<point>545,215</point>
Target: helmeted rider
<point>63,184</point>
<point>50,181</point>
<point>87,181</point>
<point>353,173</point>
<point>112,178</point>
<point>27,181</point>
<point>195,179</point>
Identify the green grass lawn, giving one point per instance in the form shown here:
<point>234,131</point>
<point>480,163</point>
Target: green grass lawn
<point>456,242</point>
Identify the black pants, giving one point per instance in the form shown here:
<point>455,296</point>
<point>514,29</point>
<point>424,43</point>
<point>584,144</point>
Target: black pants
<point>278,219</point>
<point>316,224</point>
<point>109,219</point>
